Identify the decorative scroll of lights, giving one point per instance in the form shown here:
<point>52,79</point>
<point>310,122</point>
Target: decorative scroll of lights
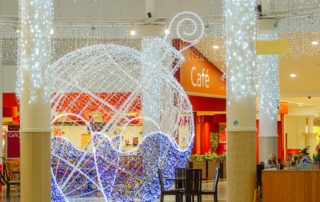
<point>101,89</point>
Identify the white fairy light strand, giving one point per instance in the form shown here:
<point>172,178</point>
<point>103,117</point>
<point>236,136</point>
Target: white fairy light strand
<point>300,31</point>
<point>35,32</point>
<point>240,63</point>
<point>267,81</point>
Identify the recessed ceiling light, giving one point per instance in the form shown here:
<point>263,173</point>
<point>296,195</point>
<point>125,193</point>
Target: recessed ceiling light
<point>52,31</point>
<point>132,32</point>
<point>293,75</point>
<point>315,43</point>
<point>216,47</point>
<point>167,31</point>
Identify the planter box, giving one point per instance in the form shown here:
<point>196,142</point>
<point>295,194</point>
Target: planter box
<point>189,164</point>
<point>212,165</point>
<point>200,165</point>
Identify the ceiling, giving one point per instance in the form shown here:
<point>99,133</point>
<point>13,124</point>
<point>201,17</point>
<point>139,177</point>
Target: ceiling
<point>293,90</point>
<point>306,68</point>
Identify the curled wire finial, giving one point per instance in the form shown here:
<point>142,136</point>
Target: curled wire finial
<point>193,31</point>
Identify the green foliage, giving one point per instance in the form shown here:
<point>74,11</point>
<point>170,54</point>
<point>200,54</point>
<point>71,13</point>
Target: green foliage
<point>214,142</point>
<point>207,157</point>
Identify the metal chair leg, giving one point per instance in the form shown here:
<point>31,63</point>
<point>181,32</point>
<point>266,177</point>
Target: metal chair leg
<point>8,190</point>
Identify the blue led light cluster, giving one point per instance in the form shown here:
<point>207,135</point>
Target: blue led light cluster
<point>117,176</point>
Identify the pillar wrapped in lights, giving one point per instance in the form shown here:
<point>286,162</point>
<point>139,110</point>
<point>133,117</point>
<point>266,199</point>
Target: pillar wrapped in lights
<point>35,51</point>
<point>268,95</point>
<point>241,100</point>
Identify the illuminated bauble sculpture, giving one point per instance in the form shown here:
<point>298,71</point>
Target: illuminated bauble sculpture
<point>135,115</point>
<point>103,87</point>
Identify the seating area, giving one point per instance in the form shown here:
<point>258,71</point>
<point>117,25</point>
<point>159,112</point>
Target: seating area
<point>10,180</point>
<point>189,185</point>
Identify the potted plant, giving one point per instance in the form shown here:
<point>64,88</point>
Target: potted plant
<point>316,155</point>
<point>199,162</point>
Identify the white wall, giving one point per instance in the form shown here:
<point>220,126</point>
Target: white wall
<point>294,109</point>
<point>9,78</point>
<point>295,126</point>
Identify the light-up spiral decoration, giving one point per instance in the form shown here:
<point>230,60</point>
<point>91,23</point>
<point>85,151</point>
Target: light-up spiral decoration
<point>191,36</point>
<point>107,144</point>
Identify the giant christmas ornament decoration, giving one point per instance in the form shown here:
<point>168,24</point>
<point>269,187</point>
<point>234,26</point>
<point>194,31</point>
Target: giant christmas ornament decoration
<point>118,115</point>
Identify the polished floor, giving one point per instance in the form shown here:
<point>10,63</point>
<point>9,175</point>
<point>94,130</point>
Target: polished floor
<point>222,193</point>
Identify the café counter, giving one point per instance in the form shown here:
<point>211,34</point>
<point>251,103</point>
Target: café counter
<point>291,186</point>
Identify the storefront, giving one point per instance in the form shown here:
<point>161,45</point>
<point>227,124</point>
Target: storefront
<point>206,86</point>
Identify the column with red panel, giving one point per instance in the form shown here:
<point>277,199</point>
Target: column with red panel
<point>219,121</point>
<point>207,127</point>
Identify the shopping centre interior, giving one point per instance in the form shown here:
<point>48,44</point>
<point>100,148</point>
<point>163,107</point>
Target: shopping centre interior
<point>97,96</point>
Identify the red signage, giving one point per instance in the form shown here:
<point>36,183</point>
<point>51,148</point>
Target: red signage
<point>13,144</point>
<point>200,77</point>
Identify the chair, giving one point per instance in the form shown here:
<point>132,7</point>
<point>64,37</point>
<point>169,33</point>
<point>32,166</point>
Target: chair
<point>259,175</point>
<point>178,193</point>
<point>193,184</point>
<point>6,180</point>
<point>180,173</point>
<point>213,192</point>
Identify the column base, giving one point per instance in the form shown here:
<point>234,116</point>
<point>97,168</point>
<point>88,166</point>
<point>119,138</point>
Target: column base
<point>267,146</point>
<point>35,166</point>
<point>241,165</point>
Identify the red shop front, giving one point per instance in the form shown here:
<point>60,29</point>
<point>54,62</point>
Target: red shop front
<point>206,86</point>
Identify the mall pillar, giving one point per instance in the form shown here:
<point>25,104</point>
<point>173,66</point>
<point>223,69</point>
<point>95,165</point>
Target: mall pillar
<point>35,51</point>
<point>241,100</point>
<point>197,139</point>
<point>206,128</point>
<point>310,137</point>
<point>268,98</point>
<point>310,124</point>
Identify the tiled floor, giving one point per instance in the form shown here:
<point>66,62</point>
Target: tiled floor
<point>14,195</point>
<point>222,193</point>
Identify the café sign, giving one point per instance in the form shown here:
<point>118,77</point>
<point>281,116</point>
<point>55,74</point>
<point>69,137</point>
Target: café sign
<point>198,76</point>
<point>12,144</point>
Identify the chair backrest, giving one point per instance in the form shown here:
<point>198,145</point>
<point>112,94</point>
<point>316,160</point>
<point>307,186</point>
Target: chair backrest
<point>180,173</point>
<point>160,179</point>
<point>259,174</point>
<point>216,180</point>
<point>193,181</point>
